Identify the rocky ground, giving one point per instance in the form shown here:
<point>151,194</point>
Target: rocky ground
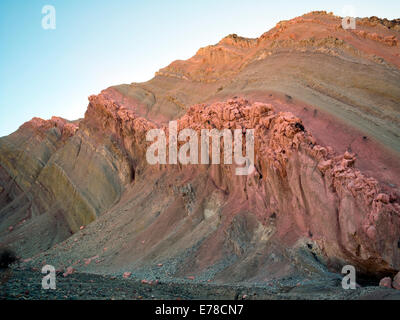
<point>25,284</point>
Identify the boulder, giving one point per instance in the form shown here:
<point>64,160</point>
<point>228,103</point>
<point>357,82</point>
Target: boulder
<point>396,281</point>
<point>386,282</point>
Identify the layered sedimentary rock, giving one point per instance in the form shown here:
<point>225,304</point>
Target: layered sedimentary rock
<point>66,181</point>
<point>24,156</point>
<point>301,192</point>
<point>324,193</point>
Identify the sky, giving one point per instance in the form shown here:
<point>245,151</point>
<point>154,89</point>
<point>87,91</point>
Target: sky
<point>99,43</point>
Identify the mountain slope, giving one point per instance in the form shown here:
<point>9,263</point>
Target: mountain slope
<point>324,103</point>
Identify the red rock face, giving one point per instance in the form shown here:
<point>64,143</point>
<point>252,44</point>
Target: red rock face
<point>40,126</point>
<point>90,179</point>
<point>310,191</point>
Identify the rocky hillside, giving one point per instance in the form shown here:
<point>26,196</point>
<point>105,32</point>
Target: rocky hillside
<point>324,105</point>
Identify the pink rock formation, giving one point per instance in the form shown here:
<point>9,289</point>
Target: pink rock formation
<point>319,180</point>
<point>348,214</point>
<point>232,53</point>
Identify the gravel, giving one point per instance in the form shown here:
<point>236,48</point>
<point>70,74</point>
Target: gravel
<point>25,284</point>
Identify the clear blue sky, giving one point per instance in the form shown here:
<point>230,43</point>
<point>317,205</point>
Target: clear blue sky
<point>100,43</point>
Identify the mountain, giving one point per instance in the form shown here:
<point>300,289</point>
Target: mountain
<point>324,103</point>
